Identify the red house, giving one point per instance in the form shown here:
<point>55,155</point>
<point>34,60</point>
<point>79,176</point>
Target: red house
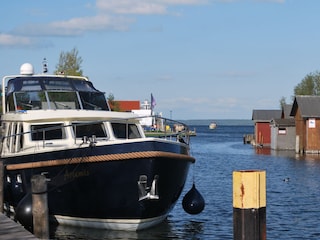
<point>126,106</point>
<point>262,120</point>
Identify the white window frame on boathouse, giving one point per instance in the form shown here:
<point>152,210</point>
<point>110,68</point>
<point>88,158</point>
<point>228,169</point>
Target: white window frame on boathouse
<point>282,131</point>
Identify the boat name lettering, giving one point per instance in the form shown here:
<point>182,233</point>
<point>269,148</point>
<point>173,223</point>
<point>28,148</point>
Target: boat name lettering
<point>75,174</point>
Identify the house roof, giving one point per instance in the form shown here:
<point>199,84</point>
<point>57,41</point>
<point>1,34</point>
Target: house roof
<point>309,106</point>
<point>266,115</point>
<point>287,110</point>
<point>288,122</point>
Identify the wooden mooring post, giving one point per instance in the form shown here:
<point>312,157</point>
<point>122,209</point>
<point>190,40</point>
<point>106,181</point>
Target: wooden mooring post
<point>40,206</point>
<point>8,228</point>
<point>249,205</point>
<point>1,186</point>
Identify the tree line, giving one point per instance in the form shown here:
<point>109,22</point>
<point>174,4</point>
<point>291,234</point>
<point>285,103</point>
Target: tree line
<point>309,85</point>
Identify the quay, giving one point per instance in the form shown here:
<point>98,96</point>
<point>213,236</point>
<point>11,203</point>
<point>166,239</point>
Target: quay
<point>248,139</point>
<point>10,230</point>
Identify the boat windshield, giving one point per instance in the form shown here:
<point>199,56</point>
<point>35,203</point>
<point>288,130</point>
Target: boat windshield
<point>31,93</point>
<point>93,100</point>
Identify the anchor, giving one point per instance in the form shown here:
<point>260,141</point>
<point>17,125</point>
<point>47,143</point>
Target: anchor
<point>146,192</point>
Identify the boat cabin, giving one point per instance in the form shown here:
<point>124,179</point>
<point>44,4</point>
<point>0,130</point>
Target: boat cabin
<point>56,101</point>
<point>52,92</point>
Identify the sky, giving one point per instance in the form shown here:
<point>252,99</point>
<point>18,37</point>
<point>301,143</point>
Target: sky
<point>201,59</point>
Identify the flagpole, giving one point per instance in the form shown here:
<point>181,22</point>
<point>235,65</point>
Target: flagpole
<point>153,103</point>
<point>151,107</point>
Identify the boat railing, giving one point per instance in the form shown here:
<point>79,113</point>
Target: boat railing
<point>52,134</point>
<point>167,128</point>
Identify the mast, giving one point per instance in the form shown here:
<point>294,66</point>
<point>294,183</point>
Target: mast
<point>44,66</point>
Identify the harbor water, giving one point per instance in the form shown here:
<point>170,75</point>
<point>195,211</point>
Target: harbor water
<point>293,192</point>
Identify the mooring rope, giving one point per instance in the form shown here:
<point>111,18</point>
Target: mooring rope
<point>100,158</point>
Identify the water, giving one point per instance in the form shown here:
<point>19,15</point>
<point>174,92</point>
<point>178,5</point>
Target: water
<point>293,210</point>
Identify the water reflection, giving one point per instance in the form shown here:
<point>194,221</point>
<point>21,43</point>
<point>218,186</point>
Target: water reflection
<point>309,157</point>
<point>162,231</point>
<point>69,232</point>
<point>166,230</point>
<point>193,230</point>
<point>263,151</point>
<point>285,154</point>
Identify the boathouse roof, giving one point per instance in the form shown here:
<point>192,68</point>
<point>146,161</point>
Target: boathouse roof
<point>287,111</point>
<point>260,115</point>
<point>308,105</point>
<point>289,122</point>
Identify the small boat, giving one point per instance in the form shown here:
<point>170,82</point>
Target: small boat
<point>102,171</point>
<point>212,125</point>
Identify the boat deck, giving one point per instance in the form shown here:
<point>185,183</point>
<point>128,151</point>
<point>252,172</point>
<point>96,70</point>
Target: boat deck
<point>10,230</point>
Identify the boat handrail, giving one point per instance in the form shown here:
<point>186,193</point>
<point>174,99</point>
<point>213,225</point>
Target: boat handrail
<point>168,128</point>
<point>181,135</point>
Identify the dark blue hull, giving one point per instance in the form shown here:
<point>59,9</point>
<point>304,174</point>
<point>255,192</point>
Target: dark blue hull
<point>106,182</point>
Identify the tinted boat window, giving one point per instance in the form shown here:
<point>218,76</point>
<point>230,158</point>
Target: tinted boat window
<point>23,84</point>
<point>29,100</point>
<point>31,85</point>
<point>47,132</point>
<point>88,130</point>
<point>120,130</point>
<point>84,86</point>
<point>57,84</point>
<point>63,100</point>
<point>10,102</point>
<point>93,100</point>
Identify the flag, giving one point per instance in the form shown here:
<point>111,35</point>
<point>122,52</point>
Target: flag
<point>153,102</point>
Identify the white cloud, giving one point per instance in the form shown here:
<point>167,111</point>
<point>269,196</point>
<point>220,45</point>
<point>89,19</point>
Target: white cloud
<point>75,26</point>
<point>12,40</point>
<point>142,7</point>
<point>165,78</point>
<point>276,1</point>
<point>230,1</point>
<point>131,7</point>
<point>111,15</point>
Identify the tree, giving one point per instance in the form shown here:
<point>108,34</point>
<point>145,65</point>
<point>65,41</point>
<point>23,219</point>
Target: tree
<point>282,102</point>
<point>69,63</point>
<point>114,105</point>
<point>310,85</point>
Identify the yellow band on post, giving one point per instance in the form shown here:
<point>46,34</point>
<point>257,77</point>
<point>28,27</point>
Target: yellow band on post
<point>249,189</point>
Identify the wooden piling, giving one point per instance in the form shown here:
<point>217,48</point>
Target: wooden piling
<point>249,205</point>
<point>40,206</point>
<point>1,185</point>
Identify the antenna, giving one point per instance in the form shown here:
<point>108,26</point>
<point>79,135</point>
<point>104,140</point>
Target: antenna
<point>44,66</point>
